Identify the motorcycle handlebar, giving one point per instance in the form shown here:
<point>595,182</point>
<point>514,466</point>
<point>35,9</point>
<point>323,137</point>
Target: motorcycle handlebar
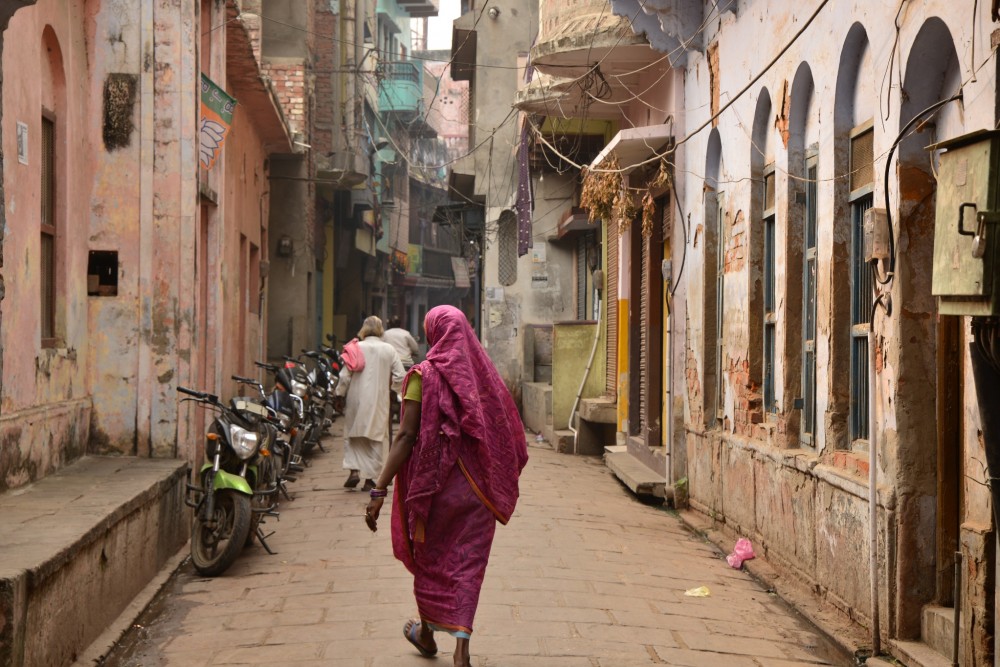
<point>244,380</point>
<point>204,396</point>
<point>265,366</point>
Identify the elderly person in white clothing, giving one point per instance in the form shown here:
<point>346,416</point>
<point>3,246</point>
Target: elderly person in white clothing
<point>366,414</point>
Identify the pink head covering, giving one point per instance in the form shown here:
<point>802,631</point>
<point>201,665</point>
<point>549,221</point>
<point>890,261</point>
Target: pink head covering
<point>466,412</point>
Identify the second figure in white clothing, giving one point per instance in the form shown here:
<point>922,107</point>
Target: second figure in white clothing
<point>366,413</point>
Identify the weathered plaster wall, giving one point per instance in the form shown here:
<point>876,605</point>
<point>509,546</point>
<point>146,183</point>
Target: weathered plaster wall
<point>246,216</point>
<point>115,210</point>
<point>820,523</point>
<point>45,67</point>
<point>500,42</point>
<point>571,346</point>
<point>545,284</point>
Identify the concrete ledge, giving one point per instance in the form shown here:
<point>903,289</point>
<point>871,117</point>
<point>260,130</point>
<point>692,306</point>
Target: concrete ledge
<point>78,546</point>
<point>601,410</point>
<point>642,481</point>
<point>536,401</point>
<point>918,654</point>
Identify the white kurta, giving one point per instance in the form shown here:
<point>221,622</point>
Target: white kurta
<point>366,413</point>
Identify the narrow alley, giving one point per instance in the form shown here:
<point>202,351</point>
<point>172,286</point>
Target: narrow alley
<point>583,575</point>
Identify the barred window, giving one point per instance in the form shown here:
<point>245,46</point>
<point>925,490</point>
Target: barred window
<point>809,276</point>
<point>770,277</point>
<point>48,263</point>
<point>862,181</point>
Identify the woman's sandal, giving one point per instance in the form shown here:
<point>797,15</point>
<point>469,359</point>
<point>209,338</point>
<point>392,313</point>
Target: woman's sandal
<point>352,481</point>
<point>413,636</point>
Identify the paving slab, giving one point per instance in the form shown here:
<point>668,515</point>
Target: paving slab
<point>583,576</point>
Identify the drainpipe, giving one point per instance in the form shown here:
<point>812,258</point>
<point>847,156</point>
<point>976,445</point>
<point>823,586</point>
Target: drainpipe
<point>873,490</point>
<point>586,372</point>
<point>984,355</point>
<point>670,392</point>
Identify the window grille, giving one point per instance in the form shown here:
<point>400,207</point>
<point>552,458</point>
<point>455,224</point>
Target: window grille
<point>720,300</point>
<point>47,279</point>
<point>507,249</point>
<point>769,190</point>
<point>809,307</point>
<point>862,159</point>
<point>770,316</point>
<point>861,303</point>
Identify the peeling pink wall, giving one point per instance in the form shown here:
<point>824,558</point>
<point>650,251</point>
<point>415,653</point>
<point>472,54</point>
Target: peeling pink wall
<point>44,66</point>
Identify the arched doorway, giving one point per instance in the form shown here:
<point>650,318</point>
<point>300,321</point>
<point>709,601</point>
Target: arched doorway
<point>924,366</point>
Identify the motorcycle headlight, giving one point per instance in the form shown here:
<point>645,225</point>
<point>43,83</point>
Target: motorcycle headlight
<point>299,388</point>
<point>284,419</point>
<point>244,442</point>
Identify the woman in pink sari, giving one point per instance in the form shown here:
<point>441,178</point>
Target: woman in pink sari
<point>456,459</point>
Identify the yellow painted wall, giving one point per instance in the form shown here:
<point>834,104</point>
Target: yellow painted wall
<point>622,363</point>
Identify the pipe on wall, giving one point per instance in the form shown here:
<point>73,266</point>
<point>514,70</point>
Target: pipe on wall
<point>586,372</point>
<point>873,492</point>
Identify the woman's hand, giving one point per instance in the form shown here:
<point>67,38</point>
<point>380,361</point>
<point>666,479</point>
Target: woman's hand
<point>372,512</point>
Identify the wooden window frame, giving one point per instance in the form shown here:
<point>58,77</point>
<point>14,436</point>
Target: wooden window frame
<point>810,274</point>
<point>770,314</point>
<point>860,200</point>
<point>49,229</point>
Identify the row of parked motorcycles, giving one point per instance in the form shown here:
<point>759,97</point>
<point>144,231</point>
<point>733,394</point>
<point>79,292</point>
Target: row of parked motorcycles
<point>255,446</point>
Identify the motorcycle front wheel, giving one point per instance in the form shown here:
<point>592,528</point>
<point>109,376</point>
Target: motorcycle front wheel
<point>215,548</point>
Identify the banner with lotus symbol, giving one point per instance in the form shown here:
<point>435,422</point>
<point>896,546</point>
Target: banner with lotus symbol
<point>216,117</point>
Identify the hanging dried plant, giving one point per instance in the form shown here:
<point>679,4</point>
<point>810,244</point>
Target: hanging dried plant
<point>662,177</point>
<point>624,209</point>
<point>648,214</point>
<point>600,189</point>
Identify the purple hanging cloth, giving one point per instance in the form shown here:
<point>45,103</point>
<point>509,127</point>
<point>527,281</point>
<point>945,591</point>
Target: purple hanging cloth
<point>524,199</point>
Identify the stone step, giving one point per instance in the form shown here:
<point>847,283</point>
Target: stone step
<point>937,627</point>
<point>78,546</point>
<point>642,481</point>
<point>919,654</point>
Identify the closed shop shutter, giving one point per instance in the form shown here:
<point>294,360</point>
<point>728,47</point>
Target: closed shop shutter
<point>611,303</point>
<point>644,351</point>
<point>581,277</point>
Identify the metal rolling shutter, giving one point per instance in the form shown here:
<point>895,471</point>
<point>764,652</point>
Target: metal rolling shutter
<point>611,305</point>
<point>643,329</point>
<point>581,277</point>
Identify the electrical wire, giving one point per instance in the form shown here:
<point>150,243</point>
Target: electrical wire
<point>888,210</point>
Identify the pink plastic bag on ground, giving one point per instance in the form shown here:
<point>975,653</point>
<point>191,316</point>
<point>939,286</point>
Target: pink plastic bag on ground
<point>741,552</point>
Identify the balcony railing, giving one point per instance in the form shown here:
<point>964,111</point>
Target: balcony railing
<point>401,89</point>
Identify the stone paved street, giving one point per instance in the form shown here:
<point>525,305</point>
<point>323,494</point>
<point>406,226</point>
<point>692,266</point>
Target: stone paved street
<point>583,576</point>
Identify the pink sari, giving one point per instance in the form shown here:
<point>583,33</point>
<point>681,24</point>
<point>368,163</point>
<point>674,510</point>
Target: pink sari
<point>462,476</point>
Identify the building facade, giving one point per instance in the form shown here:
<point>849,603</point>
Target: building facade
<point>827,406</point>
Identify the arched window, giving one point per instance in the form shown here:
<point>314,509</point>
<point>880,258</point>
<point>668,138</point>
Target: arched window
<point>851,308</point>
<point>52,174</point>
<point>714,386</point>
<point>801,258</point>
<point>761,272</point>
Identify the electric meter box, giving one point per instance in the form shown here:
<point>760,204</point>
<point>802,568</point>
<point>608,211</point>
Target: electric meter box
<point>876,229</point>
<point>965,278</point>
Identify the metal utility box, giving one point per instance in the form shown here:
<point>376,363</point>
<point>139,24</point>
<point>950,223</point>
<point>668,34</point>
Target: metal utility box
<point>965,276</point>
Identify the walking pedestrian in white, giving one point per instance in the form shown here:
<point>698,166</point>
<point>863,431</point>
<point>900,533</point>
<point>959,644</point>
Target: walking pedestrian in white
<point>366,413</point>
<point>403,341</point>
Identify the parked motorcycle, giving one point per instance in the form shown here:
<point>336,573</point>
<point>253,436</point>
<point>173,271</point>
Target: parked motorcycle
<point>239,481</point>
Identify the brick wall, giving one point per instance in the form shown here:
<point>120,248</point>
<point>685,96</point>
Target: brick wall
<point>290,85</point>
<point>324,80</point>
<point>735,257</point>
